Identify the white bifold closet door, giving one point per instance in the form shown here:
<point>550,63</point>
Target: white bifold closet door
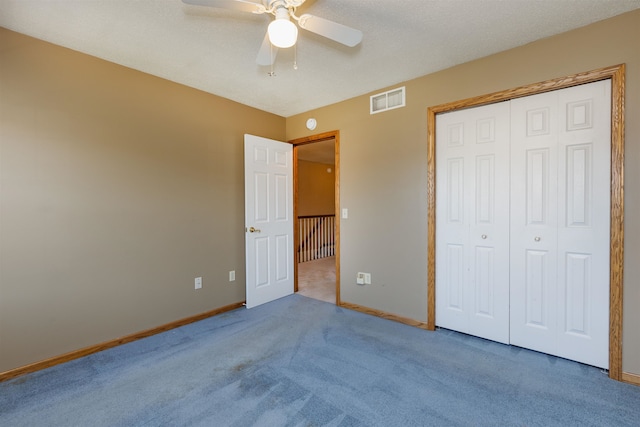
<point>545,190</point>
<point>472,220</point>
<point>560,231</point>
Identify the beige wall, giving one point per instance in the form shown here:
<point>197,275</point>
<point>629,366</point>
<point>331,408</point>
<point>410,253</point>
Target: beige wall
<point>383,164</point>
<point>117,190</point>
<point>316,189</point>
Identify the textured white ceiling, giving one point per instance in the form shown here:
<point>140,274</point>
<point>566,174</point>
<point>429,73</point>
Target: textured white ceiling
<point>214,50</point>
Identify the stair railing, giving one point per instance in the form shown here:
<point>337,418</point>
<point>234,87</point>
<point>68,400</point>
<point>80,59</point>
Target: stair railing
<point>317,237</point>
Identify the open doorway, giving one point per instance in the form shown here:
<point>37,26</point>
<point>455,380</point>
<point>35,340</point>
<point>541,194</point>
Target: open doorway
<point>316,225</point>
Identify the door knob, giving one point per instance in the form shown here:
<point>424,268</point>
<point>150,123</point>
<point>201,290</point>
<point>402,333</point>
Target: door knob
<point>537,239</point>
<point>254,230</point>
<point>484,236</point>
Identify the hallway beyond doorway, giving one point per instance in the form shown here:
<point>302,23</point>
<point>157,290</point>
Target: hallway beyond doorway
<point>317,279</point>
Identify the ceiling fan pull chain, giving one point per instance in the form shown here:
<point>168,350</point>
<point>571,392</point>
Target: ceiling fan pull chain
<point>295,56</point>
<point>271,73</point>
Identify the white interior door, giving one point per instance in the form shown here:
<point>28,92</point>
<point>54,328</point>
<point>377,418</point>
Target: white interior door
<point>472,214</point>
<point>560,210</point>
<point>268,219</point>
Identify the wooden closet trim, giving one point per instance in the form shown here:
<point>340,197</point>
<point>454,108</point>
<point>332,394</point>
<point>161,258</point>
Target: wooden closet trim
<point>617,75</point>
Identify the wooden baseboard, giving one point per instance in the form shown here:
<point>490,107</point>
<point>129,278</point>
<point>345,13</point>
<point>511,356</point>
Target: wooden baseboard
<point>76,354</point>
<point>384,315</point>
<point>631,378</point>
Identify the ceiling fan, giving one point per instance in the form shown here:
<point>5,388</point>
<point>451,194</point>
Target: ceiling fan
<point>282,32</point>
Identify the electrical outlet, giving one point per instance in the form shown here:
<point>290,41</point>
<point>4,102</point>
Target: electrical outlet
<point>360,279</point>
<point>198,282</point>
<point>232,275</point>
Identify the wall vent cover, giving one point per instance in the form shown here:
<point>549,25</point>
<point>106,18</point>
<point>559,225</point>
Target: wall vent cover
<point>394,98</point>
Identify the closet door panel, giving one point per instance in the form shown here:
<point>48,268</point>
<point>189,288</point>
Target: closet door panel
<point>452,239</point>
<point>560,167</point>
<point>584,152</point>
<point>533,240</point>
<point>472,290</point>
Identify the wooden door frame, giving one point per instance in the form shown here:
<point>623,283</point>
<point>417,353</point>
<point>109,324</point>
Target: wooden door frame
<point>616,74</point>
<point>326,136</point>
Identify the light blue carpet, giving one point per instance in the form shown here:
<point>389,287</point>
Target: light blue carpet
<point>302,362</point>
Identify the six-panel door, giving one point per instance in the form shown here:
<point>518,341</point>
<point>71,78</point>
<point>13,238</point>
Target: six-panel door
<point>268,219</point>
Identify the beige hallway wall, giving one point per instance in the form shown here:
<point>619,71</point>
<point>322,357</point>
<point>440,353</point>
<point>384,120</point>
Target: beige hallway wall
<point>316,188</point>
<point>117,189</point>
<point>383,164</point>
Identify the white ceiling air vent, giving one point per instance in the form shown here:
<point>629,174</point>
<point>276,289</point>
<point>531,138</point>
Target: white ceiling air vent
<point>388,100</point>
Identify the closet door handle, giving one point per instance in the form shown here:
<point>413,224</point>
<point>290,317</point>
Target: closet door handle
<point>537,239</point>
<point>484,236</point>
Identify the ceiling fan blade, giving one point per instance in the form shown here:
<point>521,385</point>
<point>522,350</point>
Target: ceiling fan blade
<point>267,53</point>
<point>240,5</point>
<point>332,30</point>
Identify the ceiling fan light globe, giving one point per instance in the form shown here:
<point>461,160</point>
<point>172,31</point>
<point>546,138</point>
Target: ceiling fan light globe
<point>282,33</point>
